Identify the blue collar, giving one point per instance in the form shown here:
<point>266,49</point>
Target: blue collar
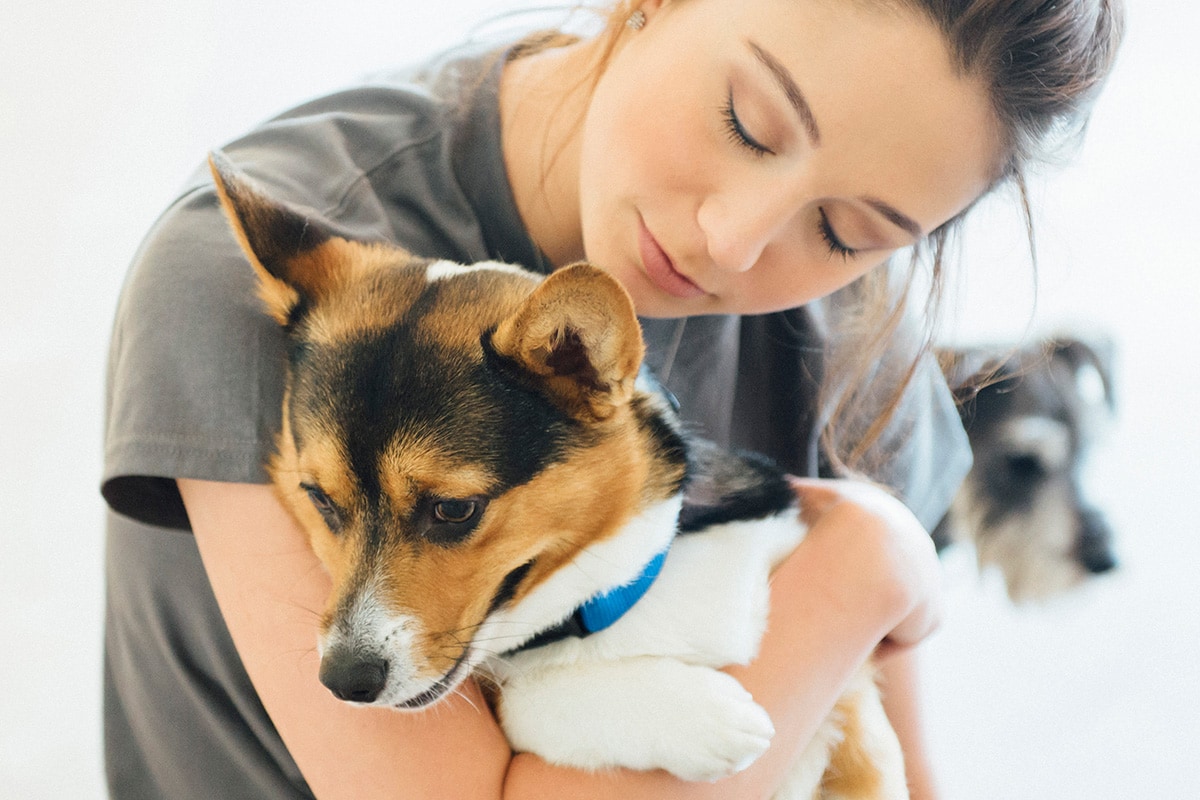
<point>604,609</point>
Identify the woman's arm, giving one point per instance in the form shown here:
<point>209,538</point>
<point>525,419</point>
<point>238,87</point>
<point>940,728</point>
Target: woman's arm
<point>859,575</point>
<point>898,679</point>
<point>866,571</point>
<point>271,590</point>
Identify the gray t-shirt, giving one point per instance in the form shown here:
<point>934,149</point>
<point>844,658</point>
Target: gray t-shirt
<point>196,372</point>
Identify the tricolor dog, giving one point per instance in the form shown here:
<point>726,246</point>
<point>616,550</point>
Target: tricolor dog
<point>496,489</point>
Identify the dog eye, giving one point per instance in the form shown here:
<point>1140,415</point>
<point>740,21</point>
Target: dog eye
<point>454,512</point>
<point>448,521</point>
<point>324,506</point>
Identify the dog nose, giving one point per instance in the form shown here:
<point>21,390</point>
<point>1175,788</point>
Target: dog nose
<point>352,677</point>
<point>1095,542</point>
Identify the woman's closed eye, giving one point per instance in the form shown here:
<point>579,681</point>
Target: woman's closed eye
<point>833,242</point>
<point>737,132</point>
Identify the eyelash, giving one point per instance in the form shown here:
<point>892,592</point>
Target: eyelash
<point>737,133</point>
<point>832,242</point>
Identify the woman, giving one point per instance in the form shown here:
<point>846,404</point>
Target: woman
<point>731,162</point>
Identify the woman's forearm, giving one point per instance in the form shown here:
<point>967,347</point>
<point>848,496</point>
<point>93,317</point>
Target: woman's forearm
<point>898,679</point>
<point>832,601</point>
<point>864,569</point>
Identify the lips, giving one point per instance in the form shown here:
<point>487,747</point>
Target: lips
<point>661,270</point>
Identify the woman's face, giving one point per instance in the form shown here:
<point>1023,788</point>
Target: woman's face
<point>744,156</point>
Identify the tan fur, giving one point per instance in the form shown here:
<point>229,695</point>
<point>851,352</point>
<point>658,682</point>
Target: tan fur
<point>354,288</point>
<point>852,773</point>
<point>582,301</point>
<point>558,513</point>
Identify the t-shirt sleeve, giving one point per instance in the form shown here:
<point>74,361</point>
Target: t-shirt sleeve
<point>930,449</point>
<point>195,367</point>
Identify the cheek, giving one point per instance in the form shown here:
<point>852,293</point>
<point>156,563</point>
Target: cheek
<point>643,142</point>
<point>796,275</point>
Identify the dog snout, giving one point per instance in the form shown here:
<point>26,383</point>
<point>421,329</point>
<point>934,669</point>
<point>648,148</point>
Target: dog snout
<point>353,677</point>
<point>1095,542</point>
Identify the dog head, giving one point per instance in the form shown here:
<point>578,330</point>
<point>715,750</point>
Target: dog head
<point>464,446</point>
<point>1032,417</point>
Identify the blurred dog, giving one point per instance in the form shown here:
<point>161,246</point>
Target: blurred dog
<point>1032,416</point>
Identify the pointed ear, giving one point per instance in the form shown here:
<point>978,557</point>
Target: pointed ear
<point>970,369</point>
<point>275,238</point>
<point>1090,355</point>
<point>579,333</point>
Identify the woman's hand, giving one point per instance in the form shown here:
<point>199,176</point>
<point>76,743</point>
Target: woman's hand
<point>890,562</point>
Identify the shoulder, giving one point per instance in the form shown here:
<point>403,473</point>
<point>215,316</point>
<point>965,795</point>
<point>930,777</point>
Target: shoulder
<point>195,366</point>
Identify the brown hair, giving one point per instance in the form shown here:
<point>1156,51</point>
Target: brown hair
<point>1043,62</point>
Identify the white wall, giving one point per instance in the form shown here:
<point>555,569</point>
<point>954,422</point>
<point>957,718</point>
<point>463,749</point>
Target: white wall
<point>106,107</point>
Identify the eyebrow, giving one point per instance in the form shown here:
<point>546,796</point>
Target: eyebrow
<point>790,89</point>
<point>795,97</point>
<point>903,221</point>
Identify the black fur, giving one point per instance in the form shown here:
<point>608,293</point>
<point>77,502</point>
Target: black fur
<point>387,384</point>
<point>508,588</point>
<point>728,487</point>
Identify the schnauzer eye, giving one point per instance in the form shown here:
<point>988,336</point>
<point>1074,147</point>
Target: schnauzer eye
<point>454,512</point>
<point>325,506</point>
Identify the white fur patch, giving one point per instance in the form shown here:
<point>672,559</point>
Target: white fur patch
<point>642,713</point>
<point>1048,439</point>
<point>645,692</point>
<point>443,270</point>
<point>708,606</point>
<point>1089,383</point>
<point>611,562</point>
<point>371,628</point>
<point>1035,552</point>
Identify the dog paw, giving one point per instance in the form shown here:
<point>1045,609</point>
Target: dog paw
<point>645,714</point>
<point>717,730</point>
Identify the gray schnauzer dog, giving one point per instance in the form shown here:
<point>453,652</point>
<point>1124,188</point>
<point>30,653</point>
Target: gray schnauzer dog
<point>1032,416</point>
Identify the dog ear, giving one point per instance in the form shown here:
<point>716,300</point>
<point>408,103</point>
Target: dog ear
<point>278,240</point>
<point>1091,360</point>
<point>579,333</point>
<point>969,370</point>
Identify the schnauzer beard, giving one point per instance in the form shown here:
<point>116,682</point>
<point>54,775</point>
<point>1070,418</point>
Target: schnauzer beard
<point>1034,550</point>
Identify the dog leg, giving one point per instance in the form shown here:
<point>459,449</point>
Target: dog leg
<point>868,763</point>
<point>804,780</point>
<point>640,713</point>
<point>855,754</point>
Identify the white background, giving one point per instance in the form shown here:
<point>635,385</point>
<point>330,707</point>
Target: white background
<point>106,107</point>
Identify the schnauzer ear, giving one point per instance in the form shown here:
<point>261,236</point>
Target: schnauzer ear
<point>579,333</point>
<point>971,369</point>
<point>281,243</point>
<point>1089,358</point>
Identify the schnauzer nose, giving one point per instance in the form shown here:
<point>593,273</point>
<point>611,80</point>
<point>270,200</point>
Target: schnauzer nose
<point>353,677</point>
<point>1095,542</point>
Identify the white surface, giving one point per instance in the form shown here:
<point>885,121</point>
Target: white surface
<point>105,108</point>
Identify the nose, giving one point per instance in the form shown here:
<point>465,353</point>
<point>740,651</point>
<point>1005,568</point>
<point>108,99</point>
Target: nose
<point>353,677</point>
<point>738,227</point>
